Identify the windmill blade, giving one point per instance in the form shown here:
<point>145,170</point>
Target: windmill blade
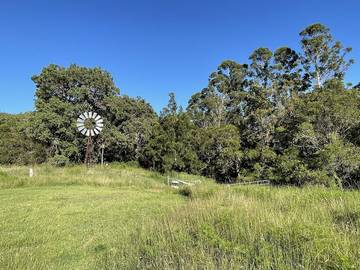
<point>99,121</point>
<point>100,125</point>
<point>88,132</point>
<point>79,124</point>
<point>94,115</point>
<point>82,116</point>
<point>98,129</point>
<point>92,132</point>
<point>90,114</point>
<point>98,117</point>
<point>80,128</point>
<point>80,121</point>
<point>84,131</point>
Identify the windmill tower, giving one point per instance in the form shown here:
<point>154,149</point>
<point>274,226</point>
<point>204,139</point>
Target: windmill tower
<point>89,124</point>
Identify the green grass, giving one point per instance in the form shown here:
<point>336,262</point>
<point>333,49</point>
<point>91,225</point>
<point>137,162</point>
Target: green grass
<point>123,217</point>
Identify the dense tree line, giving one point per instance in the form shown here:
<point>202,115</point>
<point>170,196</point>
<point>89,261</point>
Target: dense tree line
<point>16,146</point>
<point>283,115</point>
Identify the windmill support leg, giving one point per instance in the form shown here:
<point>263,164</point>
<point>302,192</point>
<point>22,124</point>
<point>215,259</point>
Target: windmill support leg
<point>102,156</point>
<point>88,154</point>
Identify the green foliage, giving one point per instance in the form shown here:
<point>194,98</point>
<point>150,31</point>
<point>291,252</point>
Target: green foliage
<point>131,123</point>
<point>219,150</point>
<point>323,58</point>
<point>59,161</point>
<point>342,161</point>
<point>267,99</point>
<point>16,144</point>
<point>171,146</point>
<point>291,170</point>
<point>284,116</point>
<point>62,94</point>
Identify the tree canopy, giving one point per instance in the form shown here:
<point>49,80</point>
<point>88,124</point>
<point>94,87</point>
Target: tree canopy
<point>282,115</point>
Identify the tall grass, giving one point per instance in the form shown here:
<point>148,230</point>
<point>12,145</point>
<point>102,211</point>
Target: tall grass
<point>124,217</point>
<point>46,175</point>
<point>114,175</point>
<point>249,228</point>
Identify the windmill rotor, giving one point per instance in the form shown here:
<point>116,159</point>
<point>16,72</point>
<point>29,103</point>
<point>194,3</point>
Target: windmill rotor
<point>89,124</point>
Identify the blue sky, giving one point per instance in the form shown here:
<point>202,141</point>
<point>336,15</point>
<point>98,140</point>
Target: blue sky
<point>152,47</point>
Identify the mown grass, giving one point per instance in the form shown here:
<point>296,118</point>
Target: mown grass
<point>123,217</point>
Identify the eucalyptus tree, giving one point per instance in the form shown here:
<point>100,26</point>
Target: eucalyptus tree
<point>289,79</point>
<point>222,99</point>
<point>202,108</point>
<point>323,58</point>
<point>261,67</point>
<point>172,106</point>
<point>259,100</point>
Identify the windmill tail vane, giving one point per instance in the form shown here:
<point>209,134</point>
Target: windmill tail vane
<point>89,124</point>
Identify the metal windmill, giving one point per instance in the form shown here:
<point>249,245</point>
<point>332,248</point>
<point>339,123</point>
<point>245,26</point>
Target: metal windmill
<point>89,124</point>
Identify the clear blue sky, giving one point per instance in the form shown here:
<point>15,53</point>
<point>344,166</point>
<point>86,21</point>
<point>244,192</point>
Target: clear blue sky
<point>152,47</point>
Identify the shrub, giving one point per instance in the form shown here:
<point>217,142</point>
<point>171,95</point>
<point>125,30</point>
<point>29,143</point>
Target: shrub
<point>186,192</point>
<point>342,161</point>
<point>291,170</point>
<point>59,161</point>
<point>321,178</point>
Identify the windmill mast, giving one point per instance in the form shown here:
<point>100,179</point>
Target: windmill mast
<point>89,124</point>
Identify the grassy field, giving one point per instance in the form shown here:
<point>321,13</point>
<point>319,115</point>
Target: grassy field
<point>123,217</point>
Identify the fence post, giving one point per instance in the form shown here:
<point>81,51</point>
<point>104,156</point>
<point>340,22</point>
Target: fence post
<point>31,172</point>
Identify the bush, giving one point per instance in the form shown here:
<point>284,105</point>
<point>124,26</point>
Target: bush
<point>341,160</point>
<point>15,145</point>
<point>291,170</point>
<point>321,178</point>
<point>59,161</point>
<point>186,191</point>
